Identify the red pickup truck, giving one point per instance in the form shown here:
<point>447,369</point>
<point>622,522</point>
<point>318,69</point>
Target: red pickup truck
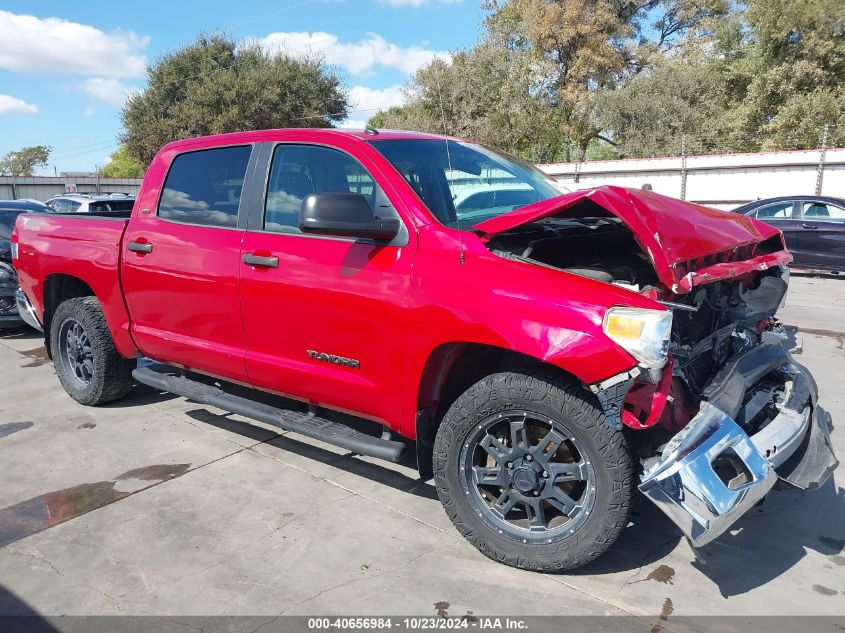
<point>543,355</point>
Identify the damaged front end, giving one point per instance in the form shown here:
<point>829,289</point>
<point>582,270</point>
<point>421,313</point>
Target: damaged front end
<point>733,414</point>
<point>725,414</point>
<point>761,424</point>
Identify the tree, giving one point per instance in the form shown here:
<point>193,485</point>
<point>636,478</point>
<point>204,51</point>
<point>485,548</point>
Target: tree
<point>530,86</point>
<point>122,165</point>
<point>24,161</point>
<point>218,85</point>
<point>673,107</point>
<point>485,94</point>
<point>790,78</point>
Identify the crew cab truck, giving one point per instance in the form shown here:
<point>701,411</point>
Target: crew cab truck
<point>545,358</point>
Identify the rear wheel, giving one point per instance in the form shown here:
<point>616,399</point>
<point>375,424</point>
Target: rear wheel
<point>531,474</point>
<point>86,361</point>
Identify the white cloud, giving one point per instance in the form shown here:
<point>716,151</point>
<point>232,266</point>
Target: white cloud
<point>366,102</point>
<point>28,43</point>
<point>359,58</point>
<point>112,91</point>
<point>88,112</point>
<point>354,124</point>
<point>13,105</point>
<point>371,100</point>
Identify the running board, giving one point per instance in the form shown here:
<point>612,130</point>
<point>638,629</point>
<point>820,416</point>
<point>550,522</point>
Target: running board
<point>295,421</point>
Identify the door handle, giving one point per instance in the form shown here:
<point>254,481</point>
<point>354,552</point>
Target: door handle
<point>140,247</point>
<point>809,226</point>
<point>260,260</point>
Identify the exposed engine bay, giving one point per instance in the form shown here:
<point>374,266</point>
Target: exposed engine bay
<point>711,324</point>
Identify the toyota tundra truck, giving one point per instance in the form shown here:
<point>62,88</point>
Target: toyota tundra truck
<point>542,355</point>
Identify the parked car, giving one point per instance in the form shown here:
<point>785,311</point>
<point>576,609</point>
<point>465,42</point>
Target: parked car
<point>541,361</point>
<point>9,212</point>
<point>91,203</point>
<point>813,226</point>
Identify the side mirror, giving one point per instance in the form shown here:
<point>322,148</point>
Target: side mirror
<point>344,214</point>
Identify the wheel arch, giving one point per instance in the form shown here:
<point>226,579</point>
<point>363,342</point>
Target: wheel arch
<point>59,287</point>
<point>451,369</point>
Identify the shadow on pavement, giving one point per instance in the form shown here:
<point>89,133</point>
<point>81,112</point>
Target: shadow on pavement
<point>21,333</point>
<point>762,545</point>
<point>348,462</point>
<point>16,616</point>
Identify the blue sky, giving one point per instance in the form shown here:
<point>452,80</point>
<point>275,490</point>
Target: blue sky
<point>66,67</point>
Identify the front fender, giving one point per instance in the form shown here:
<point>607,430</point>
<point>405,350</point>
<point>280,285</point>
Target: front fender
<point>547,314</point>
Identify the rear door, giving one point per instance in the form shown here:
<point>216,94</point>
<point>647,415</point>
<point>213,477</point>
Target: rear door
<point>181,260</point>
<point>782,215</point>
<point>822,234</point>
<point>324,317</point>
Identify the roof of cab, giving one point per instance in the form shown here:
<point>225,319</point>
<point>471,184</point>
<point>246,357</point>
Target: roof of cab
<point>253,136</point>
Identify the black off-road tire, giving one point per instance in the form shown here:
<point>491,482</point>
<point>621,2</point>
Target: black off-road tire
<point>549,394</point>
<point>112,374</point>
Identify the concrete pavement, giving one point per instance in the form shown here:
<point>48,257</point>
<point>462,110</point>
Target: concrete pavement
<point>156,505</point>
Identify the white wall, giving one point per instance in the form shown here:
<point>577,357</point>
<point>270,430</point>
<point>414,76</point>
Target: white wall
<point>722,180</point>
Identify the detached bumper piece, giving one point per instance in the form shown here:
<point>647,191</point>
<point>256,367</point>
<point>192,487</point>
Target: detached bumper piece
<point>712,472</point>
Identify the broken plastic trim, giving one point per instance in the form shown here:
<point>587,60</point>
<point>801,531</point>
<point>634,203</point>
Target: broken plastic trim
<point>611,394</point>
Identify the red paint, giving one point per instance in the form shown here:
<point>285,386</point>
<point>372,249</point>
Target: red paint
<point>646,403</point>
<point>192,302</point>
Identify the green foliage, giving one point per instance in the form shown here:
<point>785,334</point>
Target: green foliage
<point>24,161</point>
<point>567,79</point>
<point>218,85</point>
<point>122,165</point>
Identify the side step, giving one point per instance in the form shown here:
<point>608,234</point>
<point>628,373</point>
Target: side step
<point>303,423</point>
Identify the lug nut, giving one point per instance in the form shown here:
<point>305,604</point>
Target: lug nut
<point>536,493</point>
<point>509,465</point>
<point>529,458</point>
<point>545,474</point>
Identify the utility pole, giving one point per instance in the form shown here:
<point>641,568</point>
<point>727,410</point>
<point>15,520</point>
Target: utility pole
<point>822,156</point>
<point>683,168</point>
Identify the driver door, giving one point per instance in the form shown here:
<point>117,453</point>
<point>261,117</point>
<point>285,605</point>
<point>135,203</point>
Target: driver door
<point>324,317</point>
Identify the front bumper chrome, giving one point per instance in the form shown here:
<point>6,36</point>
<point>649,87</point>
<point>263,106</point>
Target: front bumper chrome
<point>26,311</point>
<point>712,472</point>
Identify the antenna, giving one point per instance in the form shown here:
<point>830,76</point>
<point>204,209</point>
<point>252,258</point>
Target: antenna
<point>448,154</point>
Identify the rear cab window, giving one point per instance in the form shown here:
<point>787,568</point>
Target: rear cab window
<point>204,187</point>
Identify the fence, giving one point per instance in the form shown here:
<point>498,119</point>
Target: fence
<point>44,187</point>
<point>719,180</point>
<point>721,172</point>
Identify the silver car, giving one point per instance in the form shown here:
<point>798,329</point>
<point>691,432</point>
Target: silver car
<point>91,203</point>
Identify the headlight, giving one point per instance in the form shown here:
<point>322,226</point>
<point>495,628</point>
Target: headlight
<point>7,273</point>
<point>643,333</point>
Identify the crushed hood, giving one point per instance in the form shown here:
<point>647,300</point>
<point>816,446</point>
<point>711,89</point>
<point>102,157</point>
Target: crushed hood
<point>688,244</point>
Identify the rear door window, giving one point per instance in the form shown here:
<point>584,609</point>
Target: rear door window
<point>776,211</point>
<point>823,212</point>
<point>204,187</point>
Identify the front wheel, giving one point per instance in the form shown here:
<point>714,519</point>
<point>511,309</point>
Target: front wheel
<point>87,363</point>
<point>530,473</point>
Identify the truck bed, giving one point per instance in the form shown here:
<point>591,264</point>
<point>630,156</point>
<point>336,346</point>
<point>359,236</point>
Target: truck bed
<point>85,246</point>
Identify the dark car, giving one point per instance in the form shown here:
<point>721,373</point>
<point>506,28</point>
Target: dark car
<point>9,212</point>
<point>814,227</point>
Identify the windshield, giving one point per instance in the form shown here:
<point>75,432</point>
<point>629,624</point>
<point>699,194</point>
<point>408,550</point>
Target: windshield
<point>466,183</point>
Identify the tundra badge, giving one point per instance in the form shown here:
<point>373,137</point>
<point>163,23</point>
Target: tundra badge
<point>336,360</point>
